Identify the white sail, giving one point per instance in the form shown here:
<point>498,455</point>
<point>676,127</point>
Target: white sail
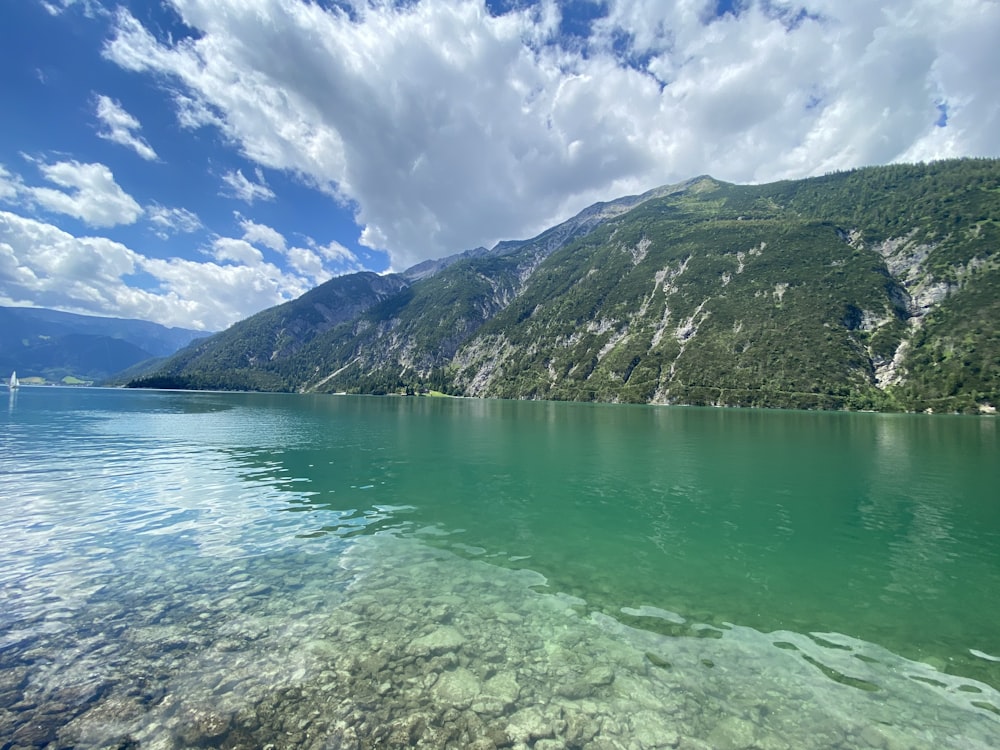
<point>13,380</point>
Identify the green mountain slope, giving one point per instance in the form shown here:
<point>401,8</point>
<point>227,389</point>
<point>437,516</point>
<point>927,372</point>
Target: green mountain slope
<point>877,288</point>
<point>265,351</point>
<point>54,345</point>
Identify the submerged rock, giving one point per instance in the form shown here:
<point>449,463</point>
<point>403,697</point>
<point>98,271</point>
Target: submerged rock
<point>199,725</point>
<point>315,669</point>
<point>439,641</point>
<point>503,687</point>
<point>458,688</point>
<point>533,724</point>
<point>650,729</point>
<point>732,733</point>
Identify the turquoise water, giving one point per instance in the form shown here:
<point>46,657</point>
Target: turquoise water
<point>234,570</point>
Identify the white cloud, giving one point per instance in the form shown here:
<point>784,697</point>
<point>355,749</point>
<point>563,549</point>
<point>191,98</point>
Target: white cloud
<point>90,194</point>
<point>261,234</point>
<point>119,127</point>
<point>10,185</point>
<point>322,262</point>
<point>194,113</point>
<point>308,263</point>
<point>44,266</point>
<point>315,263</point>
<point>222,294</point>
<point>170,221</point>
<point>246,190</point>
<point>446,127</point>
<point>337,253</point>
<point>42,263</point>
<point>89,8</point>
<point>228,249</point>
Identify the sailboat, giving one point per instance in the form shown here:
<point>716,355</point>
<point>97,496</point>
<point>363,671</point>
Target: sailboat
<point>14,384</point>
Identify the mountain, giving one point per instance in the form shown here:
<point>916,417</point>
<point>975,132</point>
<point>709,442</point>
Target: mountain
<point>876,288</point>
<point>56,345</point>
<point>274,348</point>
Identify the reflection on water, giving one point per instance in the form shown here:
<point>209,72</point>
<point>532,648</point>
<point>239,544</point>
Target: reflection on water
<point>232,570</point>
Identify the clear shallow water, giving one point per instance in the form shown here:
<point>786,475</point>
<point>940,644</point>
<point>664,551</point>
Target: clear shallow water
<point>233,570</point>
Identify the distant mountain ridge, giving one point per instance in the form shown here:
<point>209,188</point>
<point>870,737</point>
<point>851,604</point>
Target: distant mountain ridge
<point>55,345</point>
<point>876,288</point>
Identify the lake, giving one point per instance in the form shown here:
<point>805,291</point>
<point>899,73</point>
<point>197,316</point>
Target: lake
<point>259,570</point>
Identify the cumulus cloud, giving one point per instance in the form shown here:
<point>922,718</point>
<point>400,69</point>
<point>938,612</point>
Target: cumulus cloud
<point>307,263</point>
<point>261,234</point>
<point>120,126</point>
<point>337,253</point>
<point>45,266</point>
<point>89,193</point>
<point>42,263</point>
<point>224,293</point>
<point>321,262</point>
<point>228,249</point>
<point>446,126</point>
<point>315,262</point>
<point>167,222</point>
<point>243,189</point>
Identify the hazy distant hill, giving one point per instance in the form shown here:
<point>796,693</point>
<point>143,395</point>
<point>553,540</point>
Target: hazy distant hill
<point>54,345</point>
<point>877,288</point>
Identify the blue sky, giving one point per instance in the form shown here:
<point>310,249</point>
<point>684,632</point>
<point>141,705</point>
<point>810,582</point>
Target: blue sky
<point>194,161</point>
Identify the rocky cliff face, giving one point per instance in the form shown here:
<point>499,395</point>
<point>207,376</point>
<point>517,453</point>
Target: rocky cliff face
<point>871,289</point>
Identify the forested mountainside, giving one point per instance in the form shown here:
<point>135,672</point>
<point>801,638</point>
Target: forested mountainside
<point>54,346</point>
<point>877,288</point>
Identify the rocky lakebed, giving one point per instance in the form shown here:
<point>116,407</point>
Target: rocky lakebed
<point>395,642</point>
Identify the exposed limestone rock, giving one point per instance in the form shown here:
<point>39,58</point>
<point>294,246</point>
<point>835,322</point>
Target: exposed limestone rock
<point>601,326</point>
<point>669,276</point>
<point>640,251</point>
<point>890,373</point>
<point>661,327</point>
<point>903,257</point>
<point>871,321</point>
<point>612,342</point>
<point>689,327</point>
